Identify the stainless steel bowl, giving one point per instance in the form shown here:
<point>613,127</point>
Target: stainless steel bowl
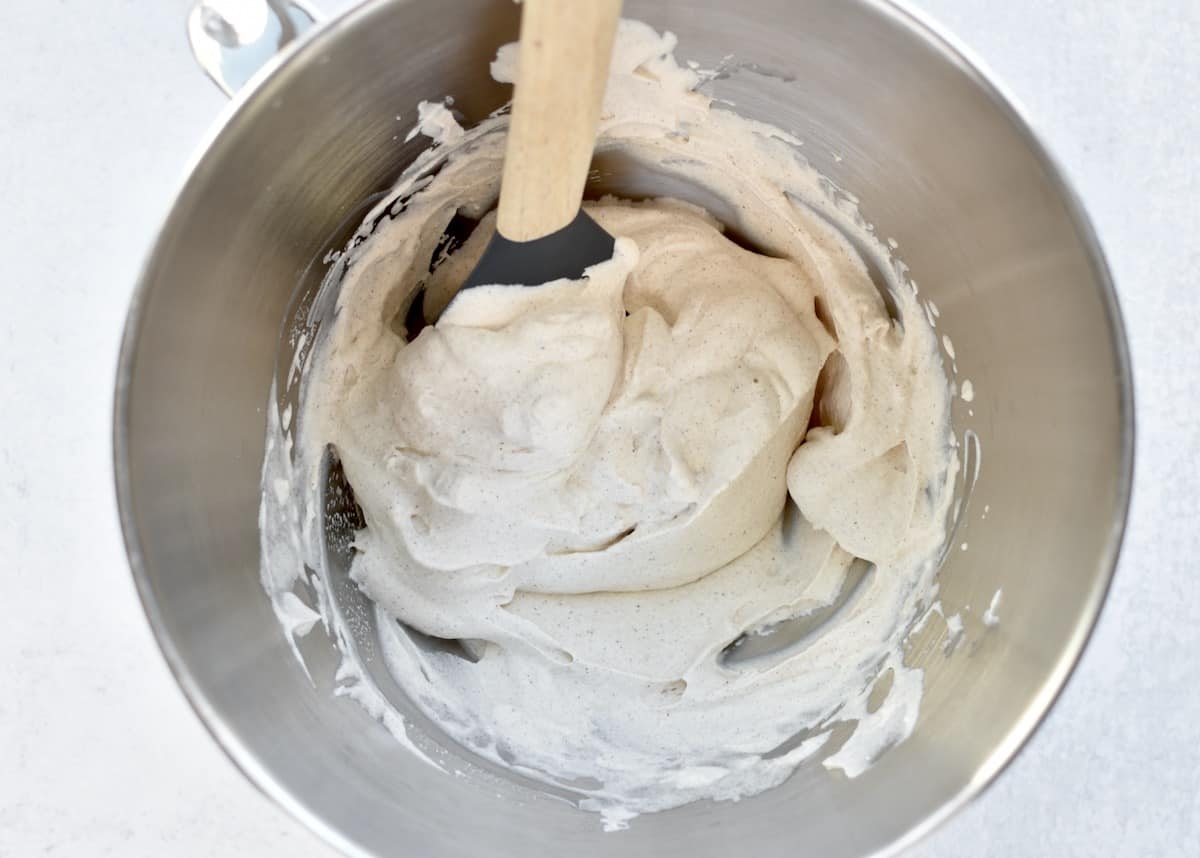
<point>890,110</point>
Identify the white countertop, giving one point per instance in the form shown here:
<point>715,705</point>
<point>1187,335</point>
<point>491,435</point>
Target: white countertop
<point>100,105</point>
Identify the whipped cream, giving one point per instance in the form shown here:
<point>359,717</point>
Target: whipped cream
<point>598,486</point>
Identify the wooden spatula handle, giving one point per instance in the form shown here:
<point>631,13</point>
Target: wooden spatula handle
<point>564,54</point>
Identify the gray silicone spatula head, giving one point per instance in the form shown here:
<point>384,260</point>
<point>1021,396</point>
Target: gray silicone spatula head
<point>566,253</point>
<point>542,234</point>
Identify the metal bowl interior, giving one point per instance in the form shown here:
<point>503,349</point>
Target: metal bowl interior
<point>890,111</point>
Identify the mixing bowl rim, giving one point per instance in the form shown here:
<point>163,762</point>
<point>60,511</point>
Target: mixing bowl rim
<point>916,24</point>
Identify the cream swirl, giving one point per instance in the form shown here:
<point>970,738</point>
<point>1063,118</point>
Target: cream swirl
<point>602,483</point>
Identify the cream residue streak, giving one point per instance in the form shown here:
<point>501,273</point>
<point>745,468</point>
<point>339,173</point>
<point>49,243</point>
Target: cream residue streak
<point>600,484</point>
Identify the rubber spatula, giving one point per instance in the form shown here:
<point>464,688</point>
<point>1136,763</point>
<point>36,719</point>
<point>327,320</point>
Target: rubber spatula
<point>542,233</point>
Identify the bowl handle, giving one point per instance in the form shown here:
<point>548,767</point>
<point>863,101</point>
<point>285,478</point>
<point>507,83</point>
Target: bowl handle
<point>233,39</point>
